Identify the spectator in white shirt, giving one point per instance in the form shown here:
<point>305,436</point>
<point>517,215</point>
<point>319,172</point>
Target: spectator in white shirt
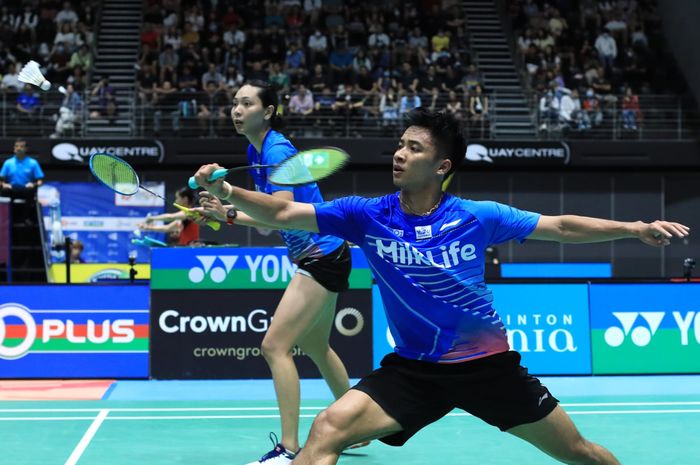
<point>607,49</point>
<point>378,38</point>
<point>68,37</point>
<point>10,81</point>
<point>234,36</point>
<point>66,15</point>
<point>318,47</point>
<point>570,109</point>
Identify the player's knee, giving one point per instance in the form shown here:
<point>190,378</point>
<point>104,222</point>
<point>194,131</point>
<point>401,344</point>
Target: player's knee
<point>272,349</point>
<point>329,429</point>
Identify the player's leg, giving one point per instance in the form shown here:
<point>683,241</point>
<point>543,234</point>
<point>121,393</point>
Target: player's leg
<point>353,418</point>
<point>314,343</point>
<point>300,308</point>
<point>557,436</point>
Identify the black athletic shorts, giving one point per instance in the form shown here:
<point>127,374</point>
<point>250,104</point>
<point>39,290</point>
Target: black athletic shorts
<point>331,271</point>
<point>495,389</point>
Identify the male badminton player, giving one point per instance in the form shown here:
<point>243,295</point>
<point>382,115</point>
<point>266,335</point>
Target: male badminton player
<point>306,312</point>
<point>426,249</point>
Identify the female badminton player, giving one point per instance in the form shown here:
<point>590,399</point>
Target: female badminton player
<point>305,314</point>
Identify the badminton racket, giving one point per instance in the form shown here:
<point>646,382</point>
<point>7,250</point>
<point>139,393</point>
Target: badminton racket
<point>302,168</point>
<point>120,177</point>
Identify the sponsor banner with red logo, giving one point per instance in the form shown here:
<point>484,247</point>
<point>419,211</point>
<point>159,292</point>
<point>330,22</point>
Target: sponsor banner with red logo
<point>98,331</point>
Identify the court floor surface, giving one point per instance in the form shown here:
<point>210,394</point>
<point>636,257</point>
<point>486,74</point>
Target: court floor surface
<point>649,429</point>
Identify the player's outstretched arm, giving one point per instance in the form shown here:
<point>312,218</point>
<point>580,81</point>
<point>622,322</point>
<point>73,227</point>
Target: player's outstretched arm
<point>581,229</point>
<point>211,207</point>
<point>272,210</point>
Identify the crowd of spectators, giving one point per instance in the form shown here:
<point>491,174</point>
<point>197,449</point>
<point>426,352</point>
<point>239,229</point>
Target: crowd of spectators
<point>588,61</point>
<point>330,60</point>
<point>58,35</point>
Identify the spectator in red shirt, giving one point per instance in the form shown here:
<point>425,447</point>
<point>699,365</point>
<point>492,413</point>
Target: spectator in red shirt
<point>631,112</point>
<point>181,229</point>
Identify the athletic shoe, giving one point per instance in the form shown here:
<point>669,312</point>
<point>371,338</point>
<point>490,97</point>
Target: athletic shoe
<point>277,456</point>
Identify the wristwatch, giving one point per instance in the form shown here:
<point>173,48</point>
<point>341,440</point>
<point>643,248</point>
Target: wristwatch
<point>231,215</point>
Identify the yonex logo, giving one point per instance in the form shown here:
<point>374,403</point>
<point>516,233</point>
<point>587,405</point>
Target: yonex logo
<point>217,274</point>
<point>269,268</point>
<point>22,313</point>
<point>640,335</point>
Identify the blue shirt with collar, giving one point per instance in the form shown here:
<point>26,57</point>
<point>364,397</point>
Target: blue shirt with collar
<point>19,172</point>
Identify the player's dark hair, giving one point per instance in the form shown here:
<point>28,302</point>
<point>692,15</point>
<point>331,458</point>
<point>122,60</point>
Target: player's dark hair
<point>446,130</point>
<point>21,139</point>
<point>268,96</point>
<point>188,194</point>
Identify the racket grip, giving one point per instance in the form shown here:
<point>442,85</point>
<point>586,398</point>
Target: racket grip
<point>220,173</point>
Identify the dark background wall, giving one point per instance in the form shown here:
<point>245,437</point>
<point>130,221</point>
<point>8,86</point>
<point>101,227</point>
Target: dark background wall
<point>679,19</point>
<point>622,180</point>
<point>624,195</point>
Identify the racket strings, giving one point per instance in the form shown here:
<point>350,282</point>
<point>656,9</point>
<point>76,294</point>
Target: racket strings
<point>116,174</point>
<point>309,166</point>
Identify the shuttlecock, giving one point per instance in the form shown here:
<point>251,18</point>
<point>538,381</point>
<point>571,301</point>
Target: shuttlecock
<point>31,74</point>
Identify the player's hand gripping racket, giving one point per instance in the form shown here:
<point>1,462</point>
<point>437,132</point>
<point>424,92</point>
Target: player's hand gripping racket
<point>119,176</point>
<point>302,168</point>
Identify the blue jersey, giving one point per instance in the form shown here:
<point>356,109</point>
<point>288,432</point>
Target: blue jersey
<point>19,172</point>
<point>301,244</point>
<point>430,269</point>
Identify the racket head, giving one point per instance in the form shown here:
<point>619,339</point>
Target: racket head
<point>309,166</point>
<point>114,173</point>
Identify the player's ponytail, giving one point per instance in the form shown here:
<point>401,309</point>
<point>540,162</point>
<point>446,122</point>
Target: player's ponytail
<point>268,97</point>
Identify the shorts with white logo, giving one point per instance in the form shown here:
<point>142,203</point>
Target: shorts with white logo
<point>331,271</point>
<point>495,389</point>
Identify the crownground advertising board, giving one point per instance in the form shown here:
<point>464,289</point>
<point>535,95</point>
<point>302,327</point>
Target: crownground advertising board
<point>546,323</point>
<point>236,268</point>
<point>210,334</point>
<point>57,331</point>
<point>645,328</point>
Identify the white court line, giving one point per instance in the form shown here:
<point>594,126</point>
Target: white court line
<point>87,437</point>
<point>248,417</point>
<point>256,409</point>
<point>156,409</point>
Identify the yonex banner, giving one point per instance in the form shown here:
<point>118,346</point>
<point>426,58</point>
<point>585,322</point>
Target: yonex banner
<point>74,331</point>
<point>217,334</point>
<point>236,268</point>
<point>645,328</point>
<point>546,323</point>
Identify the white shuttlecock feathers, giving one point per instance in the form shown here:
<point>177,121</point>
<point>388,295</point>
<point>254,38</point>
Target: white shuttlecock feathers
<point>31,74</point>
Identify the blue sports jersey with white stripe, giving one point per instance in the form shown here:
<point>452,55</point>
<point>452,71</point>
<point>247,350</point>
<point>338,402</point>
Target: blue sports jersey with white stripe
<point>430,269</point>
<point>301,244</point>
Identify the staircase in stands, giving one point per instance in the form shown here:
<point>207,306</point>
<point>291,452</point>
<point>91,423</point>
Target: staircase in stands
<point>118,39</point>
<point>510,114</point>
